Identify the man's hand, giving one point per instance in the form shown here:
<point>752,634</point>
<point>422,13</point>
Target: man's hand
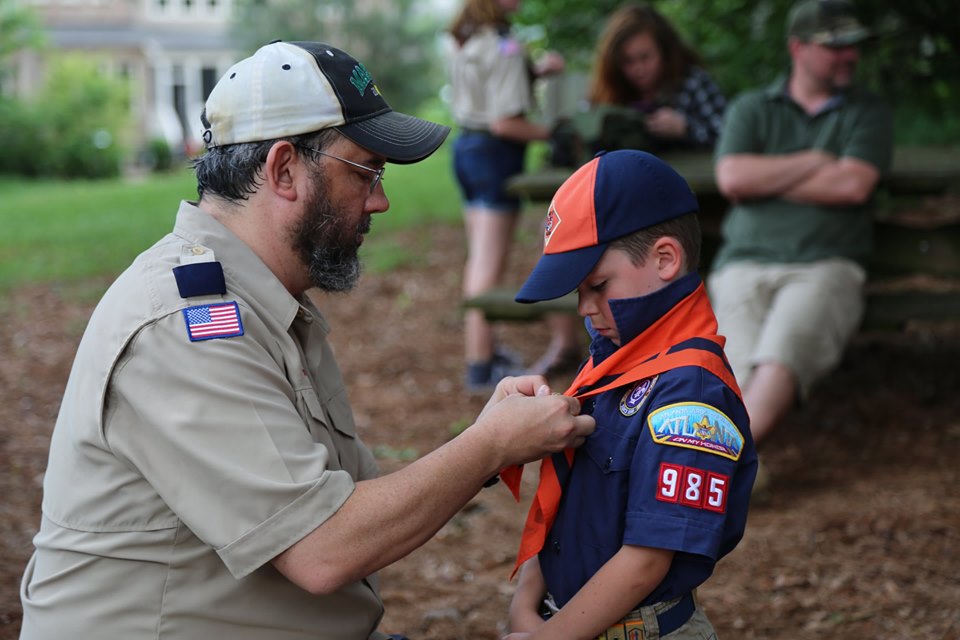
<point>523,427</point>
<point>522,385</point>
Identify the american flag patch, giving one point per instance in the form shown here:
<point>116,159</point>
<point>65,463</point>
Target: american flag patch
<point>208,321</point>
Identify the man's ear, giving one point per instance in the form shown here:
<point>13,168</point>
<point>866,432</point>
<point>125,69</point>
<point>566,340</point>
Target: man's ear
<point>668,255</point>
<point>281,169</point>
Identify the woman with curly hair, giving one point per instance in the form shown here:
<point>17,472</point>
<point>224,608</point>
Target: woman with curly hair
<point>642,62</point>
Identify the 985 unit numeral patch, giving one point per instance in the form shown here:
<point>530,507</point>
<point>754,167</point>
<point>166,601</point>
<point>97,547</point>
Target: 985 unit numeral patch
<point>693,487</point>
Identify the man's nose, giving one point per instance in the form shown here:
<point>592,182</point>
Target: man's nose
<point>377,202</point>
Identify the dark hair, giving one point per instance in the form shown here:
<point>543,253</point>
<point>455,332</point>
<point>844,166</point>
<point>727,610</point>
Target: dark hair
<point>686,229</point>
<point>608,84</point>
<point>232,172</point>
<point>474,15</point>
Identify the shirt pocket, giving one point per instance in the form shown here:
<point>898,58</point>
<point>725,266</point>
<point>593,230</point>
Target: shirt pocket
<point>334,429</point>
<point>320,421</point>
<point>609,451</point>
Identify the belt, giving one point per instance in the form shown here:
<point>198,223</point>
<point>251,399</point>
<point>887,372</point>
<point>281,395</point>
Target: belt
<point>485,132</point>
<point>631,626</point>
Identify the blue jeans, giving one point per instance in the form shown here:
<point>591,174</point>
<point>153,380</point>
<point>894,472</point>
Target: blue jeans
<point>483,163</point>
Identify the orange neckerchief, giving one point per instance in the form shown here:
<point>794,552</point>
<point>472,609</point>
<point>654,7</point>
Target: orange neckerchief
<point>643,357</point>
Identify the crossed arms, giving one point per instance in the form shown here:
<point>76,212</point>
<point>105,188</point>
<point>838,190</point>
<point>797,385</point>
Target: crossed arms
<point>810,176</point>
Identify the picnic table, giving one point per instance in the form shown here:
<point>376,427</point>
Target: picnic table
<point>914,272</point>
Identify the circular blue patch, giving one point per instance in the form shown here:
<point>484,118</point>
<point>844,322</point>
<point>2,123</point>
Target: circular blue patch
<point>633,399</point>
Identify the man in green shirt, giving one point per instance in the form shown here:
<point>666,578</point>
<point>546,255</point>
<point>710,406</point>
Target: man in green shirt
<point>800,161</point>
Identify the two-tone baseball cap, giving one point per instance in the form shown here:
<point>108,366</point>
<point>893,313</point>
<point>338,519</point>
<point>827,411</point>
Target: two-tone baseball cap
<point>292,88</point>
<point>614,195</point>
<point>832,23</point>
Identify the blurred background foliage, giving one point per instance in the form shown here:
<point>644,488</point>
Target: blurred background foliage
<point>75,128</point>
<point>395,40</point>
<point>914,61</point>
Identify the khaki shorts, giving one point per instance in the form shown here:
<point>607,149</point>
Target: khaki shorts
<point>799,315</point>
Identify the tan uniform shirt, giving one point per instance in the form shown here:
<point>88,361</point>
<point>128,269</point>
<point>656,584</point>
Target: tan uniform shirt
<point>179,469</point>
<point>489,80</point>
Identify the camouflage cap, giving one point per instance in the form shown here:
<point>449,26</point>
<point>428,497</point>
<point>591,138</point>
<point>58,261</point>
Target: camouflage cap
<point>832,23</point>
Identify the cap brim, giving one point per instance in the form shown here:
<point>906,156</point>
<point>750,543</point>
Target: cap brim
<point>400,138</point>
<point>557,274</point>
<point>845,38</point>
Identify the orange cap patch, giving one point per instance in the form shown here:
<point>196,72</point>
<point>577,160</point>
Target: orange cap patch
<point>571,220</point>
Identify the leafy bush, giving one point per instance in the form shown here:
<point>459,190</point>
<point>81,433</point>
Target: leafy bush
<point>159,157</point>
<point>19,132</point>
<point>71,129</point>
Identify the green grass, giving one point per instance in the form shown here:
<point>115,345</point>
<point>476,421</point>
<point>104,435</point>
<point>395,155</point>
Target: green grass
<point>72,231</point>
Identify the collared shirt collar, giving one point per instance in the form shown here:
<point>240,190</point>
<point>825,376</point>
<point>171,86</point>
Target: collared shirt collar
<point>633,316</point>
<point>254,279</point>
<point>780,90</point>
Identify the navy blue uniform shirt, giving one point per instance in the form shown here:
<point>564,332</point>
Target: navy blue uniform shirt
<point>670,465</point>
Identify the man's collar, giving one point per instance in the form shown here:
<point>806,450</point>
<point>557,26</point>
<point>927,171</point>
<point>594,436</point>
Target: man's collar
<point>780,90</point>
<point>243,268</point>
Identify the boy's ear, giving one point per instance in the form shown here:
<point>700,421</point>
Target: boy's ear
<point>668,256</point>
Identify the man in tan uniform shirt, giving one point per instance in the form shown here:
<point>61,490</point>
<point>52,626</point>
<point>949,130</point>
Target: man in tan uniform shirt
<point>205,477</point>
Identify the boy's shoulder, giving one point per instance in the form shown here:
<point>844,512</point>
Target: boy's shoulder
<point>677,393</point>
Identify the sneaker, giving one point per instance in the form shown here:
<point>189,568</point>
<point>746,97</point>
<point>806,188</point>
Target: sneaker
<point>482,377</point>
<point>563,363</point>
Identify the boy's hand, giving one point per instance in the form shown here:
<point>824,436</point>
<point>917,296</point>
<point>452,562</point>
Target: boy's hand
<point>524,615</point>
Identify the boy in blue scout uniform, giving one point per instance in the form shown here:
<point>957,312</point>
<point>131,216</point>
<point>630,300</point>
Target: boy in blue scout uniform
<point>623,529</point>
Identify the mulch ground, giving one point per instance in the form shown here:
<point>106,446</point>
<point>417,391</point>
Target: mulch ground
<point>859,538</point>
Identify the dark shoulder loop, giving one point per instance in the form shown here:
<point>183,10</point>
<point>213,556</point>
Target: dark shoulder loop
<point>200,279</point>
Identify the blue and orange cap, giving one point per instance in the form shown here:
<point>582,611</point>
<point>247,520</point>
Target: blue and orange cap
<point>612,196</point>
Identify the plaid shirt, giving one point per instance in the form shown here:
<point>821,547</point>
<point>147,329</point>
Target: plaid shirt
<point>700,100</point>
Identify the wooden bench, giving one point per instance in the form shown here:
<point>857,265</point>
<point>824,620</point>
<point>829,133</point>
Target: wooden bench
<point>915,267</point>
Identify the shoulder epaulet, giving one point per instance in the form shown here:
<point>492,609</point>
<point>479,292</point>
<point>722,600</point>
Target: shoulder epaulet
<point>199,274</point>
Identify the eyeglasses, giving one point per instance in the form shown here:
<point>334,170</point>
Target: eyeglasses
<point>377,173</point>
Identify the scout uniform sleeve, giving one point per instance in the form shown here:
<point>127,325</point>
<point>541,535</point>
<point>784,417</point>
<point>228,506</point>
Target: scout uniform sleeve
<point>213,427</point>
<point>683,469</point>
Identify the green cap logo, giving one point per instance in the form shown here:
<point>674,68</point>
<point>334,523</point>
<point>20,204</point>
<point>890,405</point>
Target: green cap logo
<point>360,78</point>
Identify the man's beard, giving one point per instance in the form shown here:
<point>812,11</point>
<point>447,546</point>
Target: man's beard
<point>326,244</point>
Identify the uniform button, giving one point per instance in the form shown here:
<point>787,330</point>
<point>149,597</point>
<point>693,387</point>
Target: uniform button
<point>556,546</point>
<point>198,251</point>
<point>608,464</point>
